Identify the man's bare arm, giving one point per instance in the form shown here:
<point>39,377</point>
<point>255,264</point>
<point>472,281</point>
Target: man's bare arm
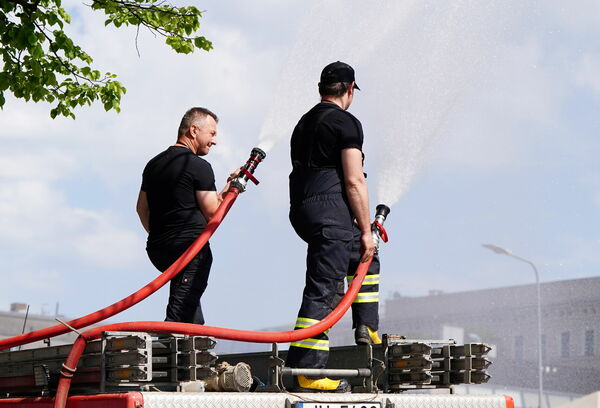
<point>143,210</point>
<point>209,201</point>
<point>358,197</point>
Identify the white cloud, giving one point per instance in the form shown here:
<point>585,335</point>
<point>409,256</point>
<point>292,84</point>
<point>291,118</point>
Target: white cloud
<point>43,164</point>
<point>17,124</point>
<point>588,72</point>
<point>107,245</point>
<point>571,255</point>
<point>26,209</point>
<point>494,130</point>
<point>575,16</point>
<point>45,279</point>
<point>36,216</point>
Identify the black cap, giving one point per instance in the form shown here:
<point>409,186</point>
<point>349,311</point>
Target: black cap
<point>338,72</point>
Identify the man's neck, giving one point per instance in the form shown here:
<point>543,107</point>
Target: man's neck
<point>182,144</point>
<point>331,99</point>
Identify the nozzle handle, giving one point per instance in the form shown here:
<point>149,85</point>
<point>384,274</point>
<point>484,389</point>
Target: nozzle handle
<point>381,231</point>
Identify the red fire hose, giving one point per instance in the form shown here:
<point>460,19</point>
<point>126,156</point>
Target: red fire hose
<point>141,294</point>
<point>70,365</point>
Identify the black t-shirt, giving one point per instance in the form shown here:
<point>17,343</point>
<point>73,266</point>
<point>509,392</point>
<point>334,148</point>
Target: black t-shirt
<point>319,145</point>
<point>170,181</point>
<point>316,150</point>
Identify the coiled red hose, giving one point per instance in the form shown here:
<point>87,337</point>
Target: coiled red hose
<point>195,330</point>
<point>141,294</point>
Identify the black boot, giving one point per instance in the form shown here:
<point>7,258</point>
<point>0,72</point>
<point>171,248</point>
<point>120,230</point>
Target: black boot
<point>365,335</point>
<point>361,334</point>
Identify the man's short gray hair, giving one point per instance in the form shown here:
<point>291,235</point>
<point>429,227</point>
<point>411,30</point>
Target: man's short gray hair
<point>194,115</point>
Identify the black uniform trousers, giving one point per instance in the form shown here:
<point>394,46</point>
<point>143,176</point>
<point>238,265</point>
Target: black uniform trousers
<point>187,286</point>
<point>325,223</point>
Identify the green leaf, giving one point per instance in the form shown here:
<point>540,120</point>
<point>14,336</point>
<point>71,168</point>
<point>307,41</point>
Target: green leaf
<point>32,38</point>
<point>50,78</point>
<point>37,52</point>
<point>64,15</point>
<point>202,43</point>
<point>36,68</point>
<point>52,18</point>
<point>4,81</point>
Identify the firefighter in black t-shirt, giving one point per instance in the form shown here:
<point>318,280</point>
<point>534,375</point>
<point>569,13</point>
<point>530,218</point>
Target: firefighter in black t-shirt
<point>329,210</point>
<point>177,198</point>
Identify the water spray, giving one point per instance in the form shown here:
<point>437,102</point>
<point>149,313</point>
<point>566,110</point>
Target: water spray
<point>247,170</point>
<point>377,229</point>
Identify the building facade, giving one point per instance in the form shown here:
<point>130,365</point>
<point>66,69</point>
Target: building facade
<point>17,320</point>
<point>507,319</point>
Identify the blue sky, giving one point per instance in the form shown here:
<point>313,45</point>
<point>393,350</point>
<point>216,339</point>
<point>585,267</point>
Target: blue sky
<point>486,118</point>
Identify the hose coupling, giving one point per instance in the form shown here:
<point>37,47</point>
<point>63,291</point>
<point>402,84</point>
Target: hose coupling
<point>247,170</point>
<point>377,230</point>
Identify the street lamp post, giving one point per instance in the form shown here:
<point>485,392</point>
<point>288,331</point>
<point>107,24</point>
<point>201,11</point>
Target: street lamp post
<point>502,251</point>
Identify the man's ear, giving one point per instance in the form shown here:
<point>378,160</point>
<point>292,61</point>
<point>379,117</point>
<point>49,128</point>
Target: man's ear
<point>350,90</point>
<point>188,133</point>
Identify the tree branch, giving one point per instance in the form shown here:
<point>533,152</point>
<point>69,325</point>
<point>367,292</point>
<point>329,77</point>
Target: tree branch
<point>137,33</point>
<point>152,7</point>
<point>30,7</point>
<point>75,75</point>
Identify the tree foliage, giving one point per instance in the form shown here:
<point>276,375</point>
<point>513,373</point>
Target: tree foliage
<point>42,63</point>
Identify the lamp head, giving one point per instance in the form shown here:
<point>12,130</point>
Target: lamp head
<point>497,249</point>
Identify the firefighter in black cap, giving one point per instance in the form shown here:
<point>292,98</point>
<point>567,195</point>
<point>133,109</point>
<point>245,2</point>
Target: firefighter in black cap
<point>329,210</point>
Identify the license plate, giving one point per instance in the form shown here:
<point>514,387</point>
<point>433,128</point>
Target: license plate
<point>327,404</point>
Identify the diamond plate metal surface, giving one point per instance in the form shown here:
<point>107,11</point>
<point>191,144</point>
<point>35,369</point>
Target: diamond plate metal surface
<point>267,400</point>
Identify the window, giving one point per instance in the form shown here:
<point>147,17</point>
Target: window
<point>588,348</point>
<point>519,345</point>
<point>565,344</point>
<point>543,347</point>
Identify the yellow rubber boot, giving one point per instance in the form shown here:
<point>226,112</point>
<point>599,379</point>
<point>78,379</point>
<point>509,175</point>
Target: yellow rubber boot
<point>374,336</point>
<point>322,385</point>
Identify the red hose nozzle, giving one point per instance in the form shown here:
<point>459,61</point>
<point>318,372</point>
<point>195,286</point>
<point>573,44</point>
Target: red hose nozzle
<point>248,169</point>
<point>378,231</point>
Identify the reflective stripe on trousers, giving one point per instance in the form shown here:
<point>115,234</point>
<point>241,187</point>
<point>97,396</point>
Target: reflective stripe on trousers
<point>312,344</point>
<point>303,322</point>
<point>367,297</point>
<point>369,280</point>
<point>368,293</point>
